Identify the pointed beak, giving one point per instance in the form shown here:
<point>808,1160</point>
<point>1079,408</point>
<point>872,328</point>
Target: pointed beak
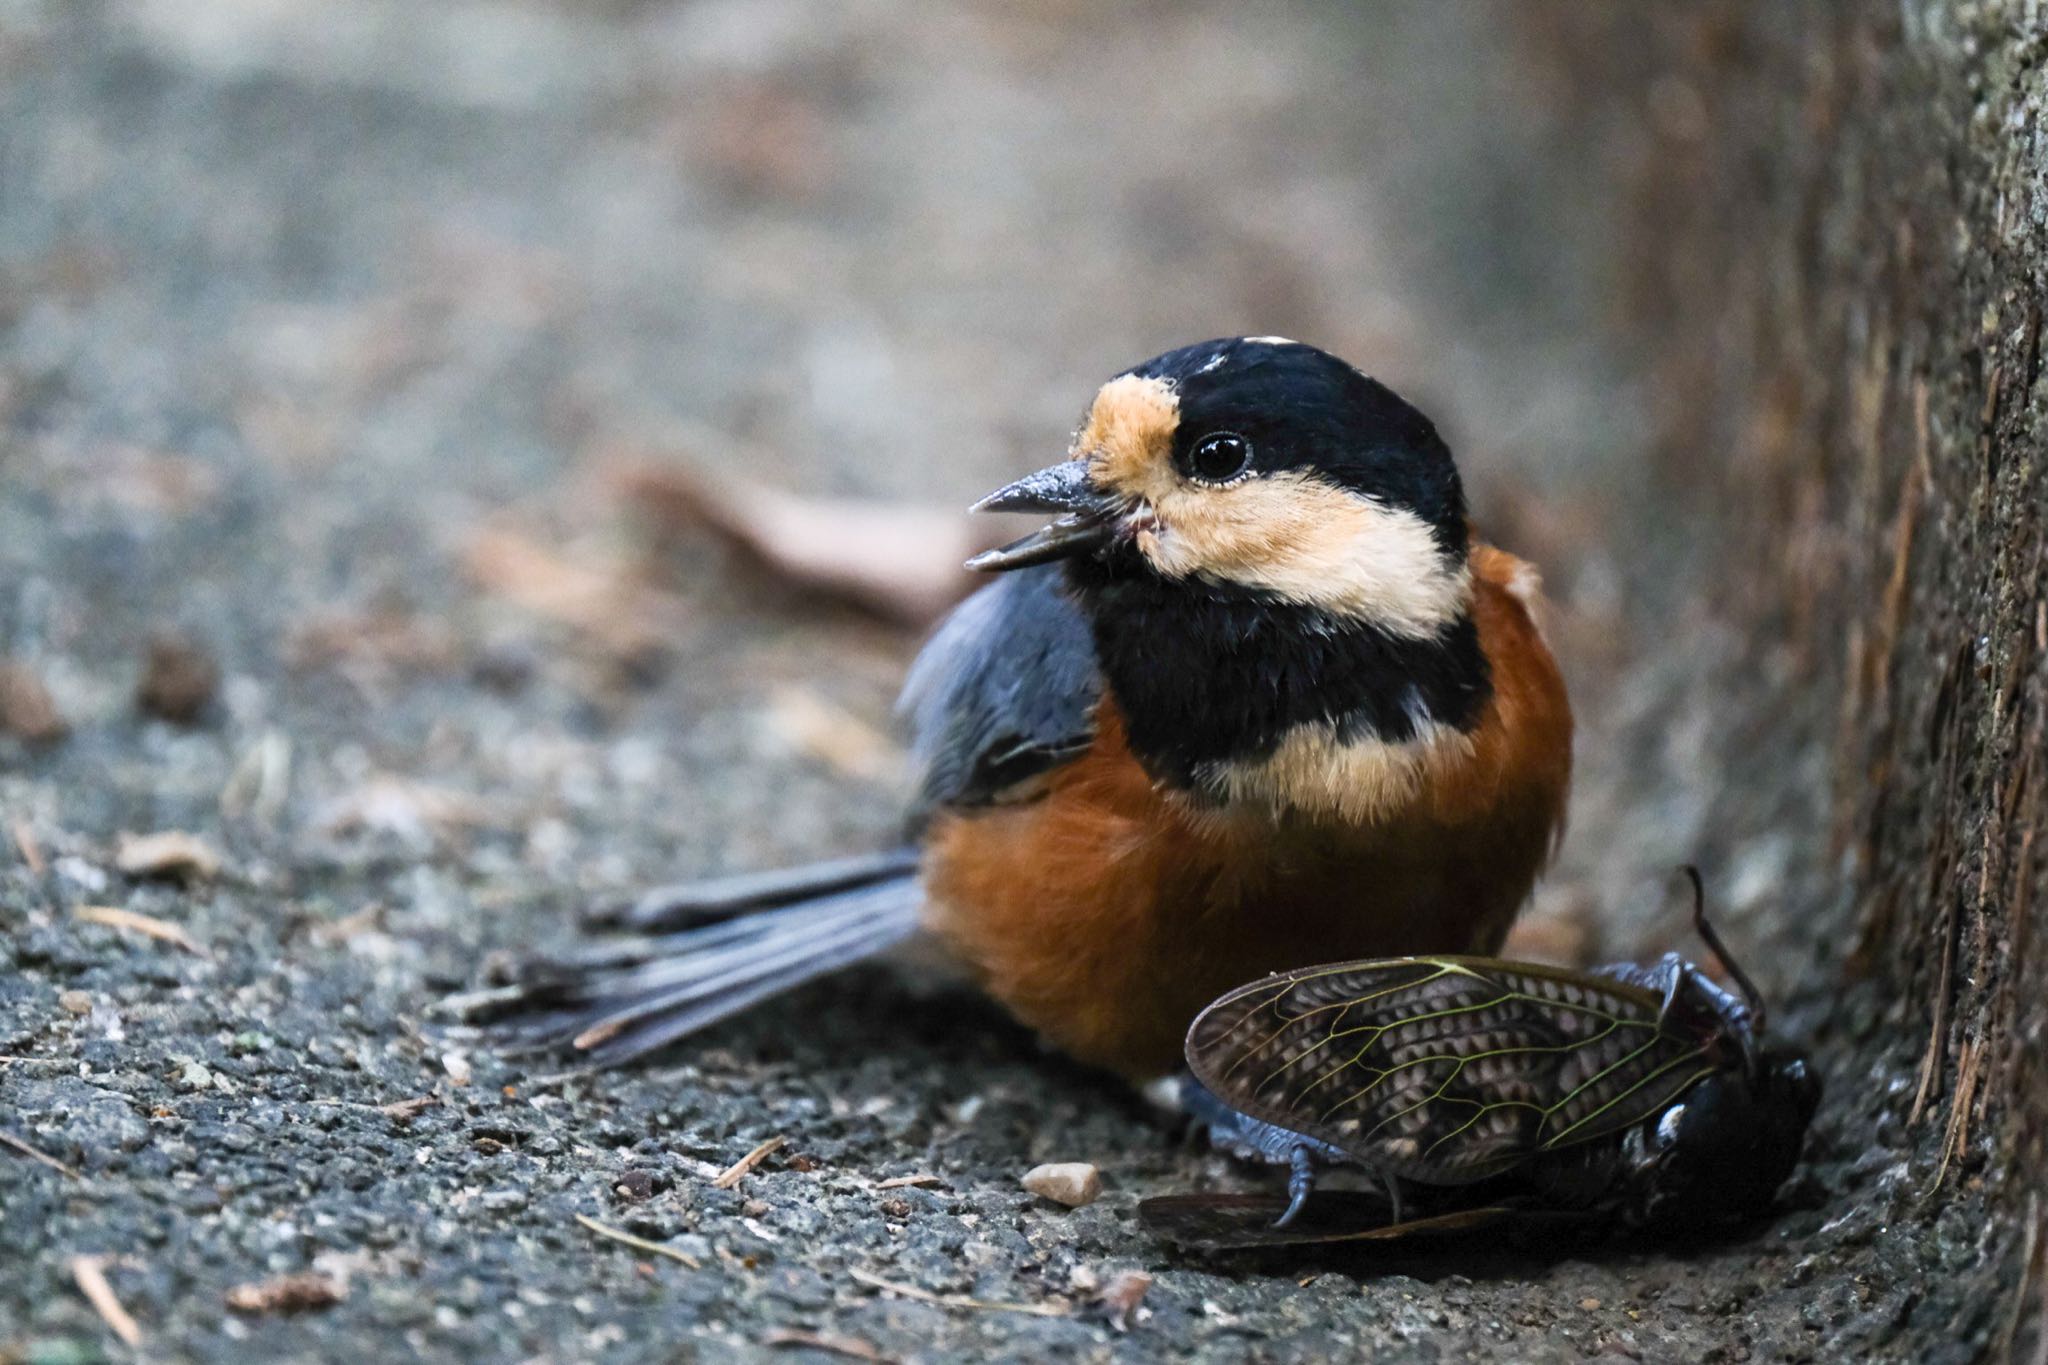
<point>1085,517</point>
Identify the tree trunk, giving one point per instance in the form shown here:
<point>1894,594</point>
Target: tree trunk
<point>1837,228</point>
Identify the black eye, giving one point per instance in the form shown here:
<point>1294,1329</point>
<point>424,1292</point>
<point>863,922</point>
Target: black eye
<point>1220,457</point>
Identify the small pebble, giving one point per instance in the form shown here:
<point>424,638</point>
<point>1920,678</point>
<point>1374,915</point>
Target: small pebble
<point>1073,1183</point>
<point>75,1002</point>
<point>179,680</point>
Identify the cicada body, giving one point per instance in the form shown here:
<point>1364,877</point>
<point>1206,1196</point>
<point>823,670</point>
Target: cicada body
<point>1487,1089</point>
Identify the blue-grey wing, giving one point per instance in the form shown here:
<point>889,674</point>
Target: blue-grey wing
<point>1003,692</point>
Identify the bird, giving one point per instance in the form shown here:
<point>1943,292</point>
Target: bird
<point>1254,697</point>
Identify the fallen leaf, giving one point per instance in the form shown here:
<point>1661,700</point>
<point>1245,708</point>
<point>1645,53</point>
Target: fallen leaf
<point>171,853</point>
<point>903,561</point>
<point>608,602</point>
<point>299,1293</point>
<point>26,709</point>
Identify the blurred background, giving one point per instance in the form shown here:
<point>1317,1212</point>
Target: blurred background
<point>463,462</point>
<point>393,356</point>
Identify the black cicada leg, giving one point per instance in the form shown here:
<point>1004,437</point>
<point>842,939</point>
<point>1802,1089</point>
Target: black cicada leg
<point>1250,1139</point>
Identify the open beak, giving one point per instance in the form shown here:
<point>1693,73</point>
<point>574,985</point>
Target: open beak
<point>1086,517</point>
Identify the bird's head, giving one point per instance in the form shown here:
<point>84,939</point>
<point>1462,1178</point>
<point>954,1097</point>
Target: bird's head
<point>1262,465</point>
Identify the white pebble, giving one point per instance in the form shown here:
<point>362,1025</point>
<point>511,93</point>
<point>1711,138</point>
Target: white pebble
<point>1073,1183</point>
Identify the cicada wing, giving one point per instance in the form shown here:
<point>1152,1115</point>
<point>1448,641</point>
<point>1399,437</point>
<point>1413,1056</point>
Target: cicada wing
<point>1443,1070</point>
<point>1221,1222</point>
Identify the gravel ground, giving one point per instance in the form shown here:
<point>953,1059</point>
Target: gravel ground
<point>323,334</point>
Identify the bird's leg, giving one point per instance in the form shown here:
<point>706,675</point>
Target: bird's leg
<point>1301,1179</point>
<point>1249,1139</point>
<point>1393,1193</point>
<point>1662,978</point>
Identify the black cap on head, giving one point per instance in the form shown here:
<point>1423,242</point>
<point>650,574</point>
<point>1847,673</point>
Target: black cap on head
<point>1303,409</point>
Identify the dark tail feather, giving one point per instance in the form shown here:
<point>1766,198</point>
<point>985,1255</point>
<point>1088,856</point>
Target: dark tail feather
<point>626,999</point>
<point>689,904</point>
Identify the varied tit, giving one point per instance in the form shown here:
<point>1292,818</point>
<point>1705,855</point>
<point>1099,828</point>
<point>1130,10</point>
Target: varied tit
<point>1252,700</point>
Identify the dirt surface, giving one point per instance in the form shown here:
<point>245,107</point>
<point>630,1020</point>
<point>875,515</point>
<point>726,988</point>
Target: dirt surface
<point>323,334</point>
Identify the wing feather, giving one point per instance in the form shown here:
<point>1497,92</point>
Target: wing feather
<point>1003,692</point>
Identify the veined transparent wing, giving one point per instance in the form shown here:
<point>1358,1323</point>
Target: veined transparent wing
<point>1444,1070</point>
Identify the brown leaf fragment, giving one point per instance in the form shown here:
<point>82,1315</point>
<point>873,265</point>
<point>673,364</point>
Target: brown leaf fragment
<point>179,680</point>
<point>26,709</point>
<point>299,1293</point>
<point>607,602</point>
<point>1122,1295</point>
<point>170,854</point>
<point>405,1111</point>
<point>902,561</point>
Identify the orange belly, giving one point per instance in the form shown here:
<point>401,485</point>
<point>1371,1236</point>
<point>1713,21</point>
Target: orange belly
<point>1106,914</point>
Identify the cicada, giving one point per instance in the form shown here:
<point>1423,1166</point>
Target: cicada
<point>1478,1090</point>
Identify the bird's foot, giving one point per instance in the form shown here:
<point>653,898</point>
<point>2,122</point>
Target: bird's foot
<point>1249,1139</point>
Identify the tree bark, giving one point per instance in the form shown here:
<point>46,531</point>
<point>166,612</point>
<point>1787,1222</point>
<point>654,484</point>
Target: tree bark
<point>1837,226</point>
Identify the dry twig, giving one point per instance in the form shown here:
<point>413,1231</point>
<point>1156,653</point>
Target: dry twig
<point>14,1143</point>
<point>1050,1309</point>
<point>113,917</point>
<point>853,1348</point>
<point>640,1243</point>
<point>733,1174</point>
<point>89,1273</point>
